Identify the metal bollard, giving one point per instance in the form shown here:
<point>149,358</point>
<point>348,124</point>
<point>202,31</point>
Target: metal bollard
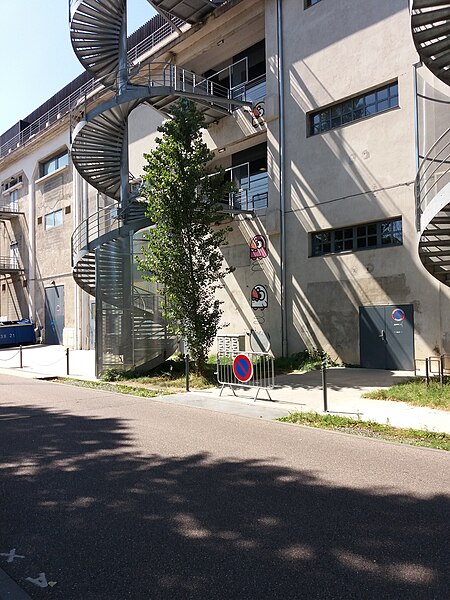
<point>186,367</point>
<point>67,361</point>
<point>441,370</point>
<point>427,371</point>
<point>324,386</point>
<point>20,358</point>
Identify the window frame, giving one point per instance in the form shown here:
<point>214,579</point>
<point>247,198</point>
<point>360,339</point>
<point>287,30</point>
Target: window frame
<point>13,198</point>
<point>56,160</point>
<point>310,3</point>
<point>353,239</point>
<point>353,109</point>
<point>55,224</point>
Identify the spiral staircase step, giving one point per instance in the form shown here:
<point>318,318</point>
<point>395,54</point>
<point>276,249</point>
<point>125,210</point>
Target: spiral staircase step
<point>95,30</point>
<point>430,22</point>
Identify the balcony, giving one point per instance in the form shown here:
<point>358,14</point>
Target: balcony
<point>9,265</point>
<point>236,78</point>
<point>9,209</point>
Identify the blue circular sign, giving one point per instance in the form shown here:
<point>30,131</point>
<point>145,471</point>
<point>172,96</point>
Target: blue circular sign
<point>242,368</point>
<point>398,314</point>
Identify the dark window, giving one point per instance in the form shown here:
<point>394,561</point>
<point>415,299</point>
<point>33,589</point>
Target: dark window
<point>249,175</point>
<point>355,109</point>
<point>309,3</point>
<point>357,237</point>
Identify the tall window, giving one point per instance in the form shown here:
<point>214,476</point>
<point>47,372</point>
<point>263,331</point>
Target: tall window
<point>54,163</point>
<point>14,255</point>
<point>357,237</point>
<point>54,219</point>
<point>354,109</point>
<point>249,175</point>
<point>14,200</point>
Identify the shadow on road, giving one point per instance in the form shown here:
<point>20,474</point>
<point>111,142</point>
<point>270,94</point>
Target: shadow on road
<point>108,524</point>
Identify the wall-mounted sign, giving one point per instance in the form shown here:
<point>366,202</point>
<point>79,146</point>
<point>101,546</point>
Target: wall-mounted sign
<point>259,297</point>
<point>258,115</point>
<point>259,342</point>
<point>398,315</point>
<point>258,247</point>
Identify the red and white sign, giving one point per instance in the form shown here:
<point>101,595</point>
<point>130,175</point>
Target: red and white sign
<point>242,368</point>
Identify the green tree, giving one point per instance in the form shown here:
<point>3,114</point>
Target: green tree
<point>183,248</point>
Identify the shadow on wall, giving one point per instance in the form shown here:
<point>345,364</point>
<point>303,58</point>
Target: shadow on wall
<point>109,523</point>
<point>325,293</point>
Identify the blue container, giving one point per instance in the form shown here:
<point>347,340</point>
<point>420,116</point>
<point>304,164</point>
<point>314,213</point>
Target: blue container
<point>17,333</point>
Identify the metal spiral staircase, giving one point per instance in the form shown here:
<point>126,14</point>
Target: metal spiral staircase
<point>130,328</point>
<point>430,22</point>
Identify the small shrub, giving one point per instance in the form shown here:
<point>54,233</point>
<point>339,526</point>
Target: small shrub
<point>111,375</point>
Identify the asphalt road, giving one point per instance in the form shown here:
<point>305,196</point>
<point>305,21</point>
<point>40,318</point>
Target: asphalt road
<point>114,497</point>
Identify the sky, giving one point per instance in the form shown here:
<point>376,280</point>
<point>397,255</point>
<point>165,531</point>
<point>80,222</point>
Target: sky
<point>36,56</point>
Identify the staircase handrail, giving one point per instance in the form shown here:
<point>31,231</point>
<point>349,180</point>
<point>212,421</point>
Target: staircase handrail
<point>93,227</point>
<point>423,176</point>
<point>159,73</point>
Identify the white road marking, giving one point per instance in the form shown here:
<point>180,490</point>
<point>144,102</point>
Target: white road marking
<point>11,555</point>
<point>40,581</point>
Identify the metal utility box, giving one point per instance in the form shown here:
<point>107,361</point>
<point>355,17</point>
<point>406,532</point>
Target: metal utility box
<point>226,344</point>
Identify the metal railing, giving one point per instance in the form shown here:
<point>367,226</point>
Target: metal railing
<point>263,371</point>
<point>251,91</point>
<point>98,224</point>
<point>433,174</point>
<point>8,206</point>
<point>442,371</point>
<point>9,264</point>
<point>178,79</point>
<point>154,38</point>
<point>49,118</point>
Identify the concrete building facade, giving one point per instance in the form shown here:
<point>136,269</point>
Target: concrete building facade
<point>336,113</point>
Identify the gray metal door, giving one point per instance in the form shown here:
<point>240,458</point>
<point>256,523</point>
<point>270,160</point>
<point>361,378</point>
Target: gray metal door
<point>387,337</point>
<point>54,314</point>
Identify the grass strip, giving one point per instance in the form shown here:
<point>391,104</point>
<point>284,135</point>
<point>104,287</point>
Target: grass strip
<point>104,386</point>
<point>414,437</point>
<point>170,375</point>
<point>415,392</point>
<point>175,382</point>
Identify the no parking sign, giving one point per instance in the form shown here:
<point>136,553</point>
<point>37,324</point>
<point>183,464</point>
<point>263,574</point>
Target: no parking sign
<point>242,368</point>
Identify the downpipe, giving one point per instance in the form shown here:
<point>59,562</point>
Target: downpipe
<point>284,341</point>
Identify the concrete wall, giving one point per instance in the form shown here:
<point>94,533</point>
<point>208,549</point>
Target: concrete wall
<point>359,173</point>
<point>44,253</point>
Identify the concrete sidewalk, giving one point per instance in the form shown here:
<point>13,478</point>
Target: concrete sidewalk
<point>48,361</point>
<point>297,391</point>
